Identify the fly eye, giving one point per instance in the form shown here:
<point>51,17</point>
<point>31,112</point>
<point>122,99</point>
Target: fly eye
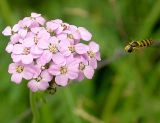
<point>134,44</point>
<point>130,49</point>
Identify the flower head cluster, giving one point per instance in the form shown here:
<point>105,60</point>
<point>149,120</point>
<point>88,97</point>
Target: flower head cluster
<point>43,51</point>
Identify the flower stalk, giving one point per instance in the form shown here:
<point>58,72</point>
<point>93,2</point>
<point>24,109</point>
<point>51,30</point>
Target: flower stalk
<point>34,108</point>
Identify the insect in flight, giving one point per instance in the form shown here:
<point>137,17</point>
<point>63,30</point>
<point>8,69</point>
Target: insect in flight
<point>133,45</point>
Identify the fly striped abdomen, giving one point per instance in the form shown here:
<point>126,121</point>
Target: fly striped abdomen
<point>145,43</point>
<point>132,46</point>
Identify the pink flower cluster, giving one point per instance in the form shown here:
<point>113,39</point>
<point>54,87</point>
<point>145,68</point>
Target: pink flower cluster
<point>43,51</point>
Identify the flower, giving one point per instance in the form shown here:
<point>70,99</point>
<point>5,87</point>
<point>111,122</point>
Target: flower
<point>8,31</point>
<point>48,53</point>
<point>24,26</point>
<point>64,72</point>
<point>9,47</point>
<point>37,19</point>
<point>35,40</point>
<point>13,32</point>
<point>66,48</point>
<point>19,71</point>
<point>93,54</point>
<point>50,48</point>
<point>85,34</point>
<point>41,82</point>
<point>84,69</point>
<point>22,53</point>
<point>71,34</point>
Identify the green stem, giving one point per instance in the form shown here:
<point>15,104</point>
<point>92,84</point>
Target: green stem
<point>34,107</point>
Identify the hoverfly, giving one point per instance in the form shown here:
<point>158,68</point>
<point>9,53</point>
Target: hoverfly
<point>133,45</point>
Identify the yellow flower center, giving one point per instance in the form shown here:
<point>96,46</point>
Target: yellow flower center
<point>70,36</point>
<point>91,54</point>
<point>81,66</point>
<point>52,33</point>
<point>46,66</point>
<point>26,28</point>
<point>52,48</point>
<point>19,69</point>
<point>35,40</point>
<point>71,48</point>
<point>12,32</point>
<point>63,70</point>
<point>64,26</point>
<point>39,78</point>
<point>26,51</point>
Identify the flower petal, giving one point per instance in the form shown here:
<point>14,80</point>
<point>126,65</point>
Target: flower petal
<point>43,44</point>
<point>64,43</point>
<point>42,86</point>
<point>36,29</point>
<point>80,76</point>
<point>36,50</point>
<point>33,85</point>
<point>45,58</point>
<point>46,77</point>
<point>28,42</point>
<point>36,70</point>
<point>40,20</point>
<point>98,57</point>
<point>72,74</point>
<point>22,33</point>
<point>85,34</point>
<point>27,74</point>
<point>62,36</point>
<point>65,52</point>
<point>93,63</point>
<point>58,58</point>
<point>9,48</point>
<point>76,35</point>
<point>18,49</point>
<point>53,40</point>
<point>27,59</point>
<point>58,21</point>
<point>73,63</point>
<point>88,72</point>
<point>61,80</point>
<point>94,46</point>
<point>12,68</point>
<point>16,58</point>
<point>35,15</point>
<point>16,27</point>
<point>52,26</point>
<point>17,78</point>
<point>54,69</point>
<point>14,38</point>
<point>81,48</point>
<point>7,31</point>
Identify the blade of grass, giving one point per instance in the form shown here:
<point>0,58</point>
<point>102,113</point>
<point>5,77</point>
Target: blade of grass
<point>112,99</point>
<point>71,105</point>
<point>149,22</point>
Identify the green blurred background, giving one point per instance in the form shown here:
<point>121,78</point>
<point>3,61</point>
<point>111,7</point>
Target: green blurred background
<point>125,90</point>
